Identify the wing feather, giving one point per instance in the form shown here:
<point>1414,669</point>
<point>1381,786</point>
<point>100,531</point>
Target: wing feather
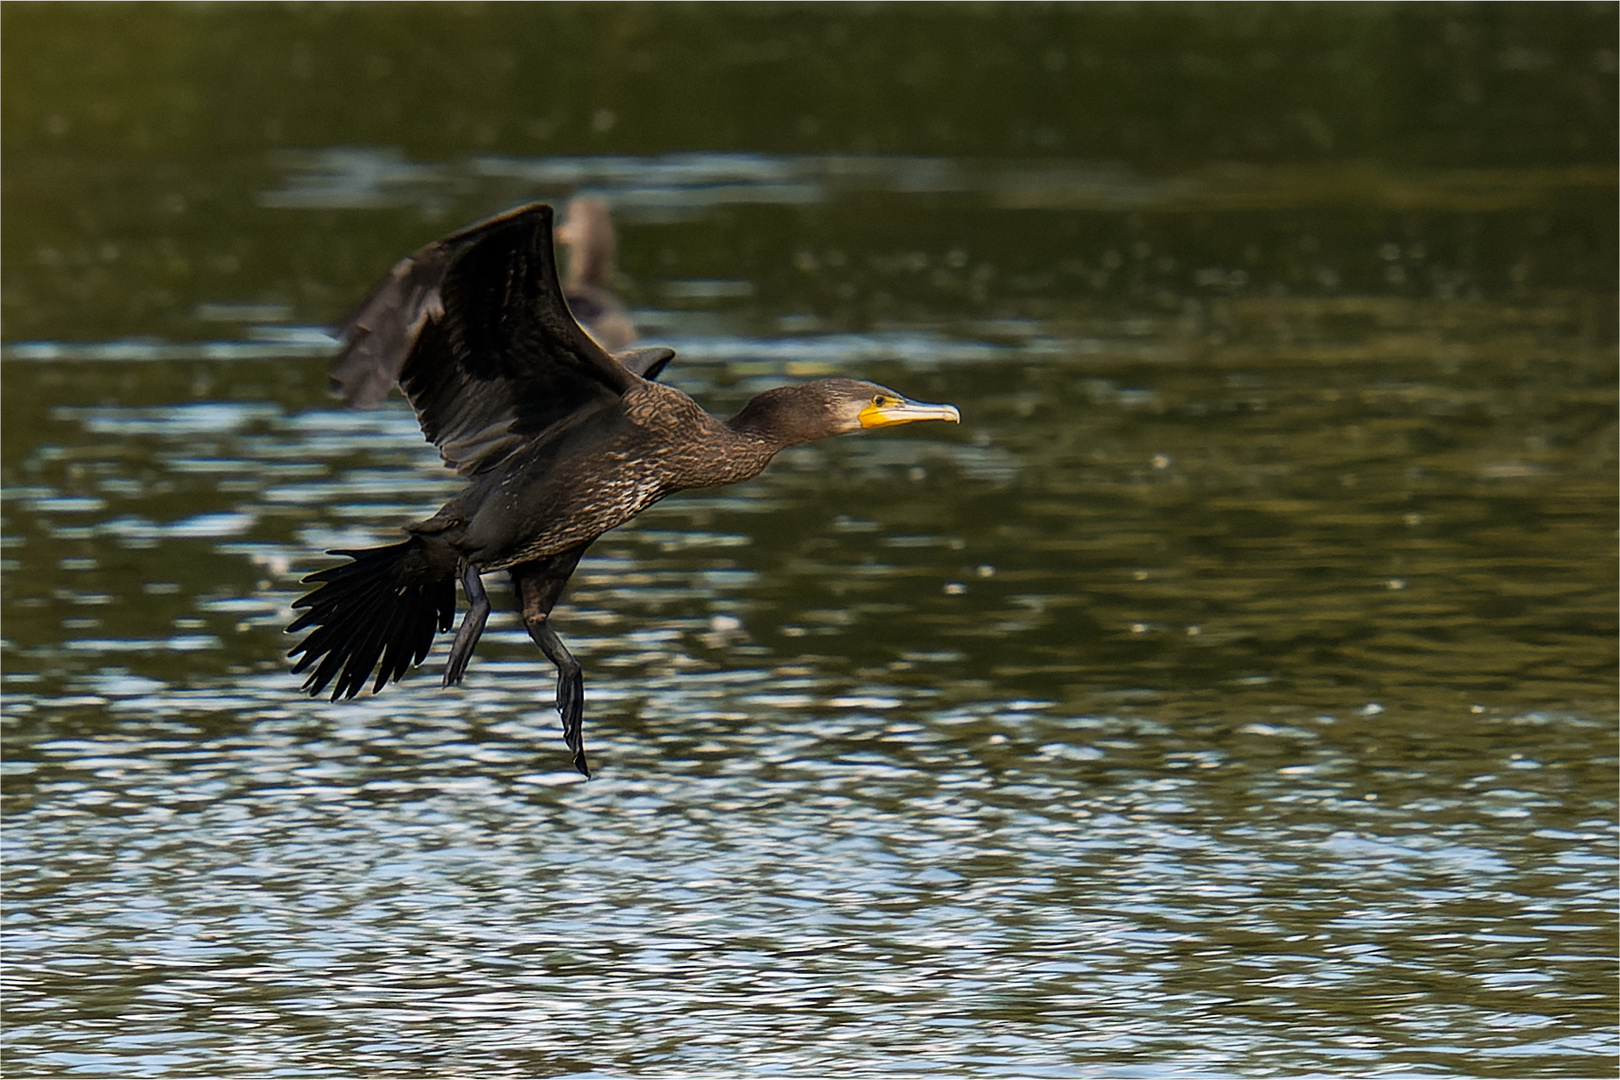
<point>477,333</point>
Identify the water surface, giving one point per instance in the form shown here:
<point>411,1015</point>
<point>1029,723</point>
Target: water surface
<point>1231,693</point>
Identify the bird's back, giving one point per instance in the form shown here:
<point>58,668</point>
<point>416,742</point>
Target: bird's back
<point>596,473</point>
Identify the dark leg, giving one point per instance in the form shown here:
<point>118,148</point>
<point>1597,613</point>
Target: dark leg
<point>472,628</point>
<point>570,689</point>
<point>539,584</point>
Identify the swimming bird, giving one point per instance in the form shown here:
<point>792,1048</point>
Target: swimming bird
<point>587,232</point>
<point>559,441</point>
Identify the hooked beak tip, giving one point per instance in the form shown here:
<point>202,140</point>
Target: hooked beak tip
<point>908,412</point>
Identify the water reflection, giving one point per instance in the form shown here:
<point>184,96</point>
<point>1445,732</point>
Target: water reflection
<point>1233,693</point>
<point>798,870</point>
<point>1158,700</point>
<point>674,186</point>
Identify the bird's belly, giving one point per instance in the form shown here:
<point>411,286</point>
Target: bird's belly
<point>521,522</point>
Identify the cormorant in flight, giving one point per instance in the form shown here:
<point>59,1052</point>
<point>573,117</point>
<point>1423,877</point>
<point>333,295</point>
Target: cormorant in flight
<point>558,439</point>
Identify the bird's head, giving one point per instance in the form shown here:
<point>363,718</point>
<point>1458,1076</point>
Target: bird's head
<point>817,410</point>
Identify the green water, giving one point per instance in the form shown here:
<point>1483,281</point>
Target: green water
<point>1233,692</point>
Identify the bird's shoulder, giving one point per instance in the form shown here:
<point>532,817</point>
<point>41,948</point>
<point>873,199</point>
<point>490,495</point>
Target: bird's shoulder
<point>659,408</point>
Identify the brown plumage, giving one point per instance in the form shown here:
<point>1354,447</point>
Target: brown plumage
<point>559,441</point>
<point>587,232</point>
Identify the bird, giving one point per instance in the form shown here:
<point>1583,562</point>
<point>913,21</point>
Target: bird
<point>587,231</point>
<point>378,335</point>
<point>558,441</point>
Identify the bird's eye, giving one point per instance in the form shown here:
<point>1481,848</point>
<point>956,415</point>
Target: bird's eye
<point>882,401</point>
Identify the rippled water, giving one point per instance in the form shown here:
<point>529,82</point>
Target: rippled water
<point>1225,719</point>
<point>1233,692</point>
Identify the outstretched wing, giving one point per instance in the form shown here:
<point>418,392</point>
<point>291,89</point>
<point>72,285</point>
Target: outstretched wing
<point>477,332</point>
<point>378,337</point>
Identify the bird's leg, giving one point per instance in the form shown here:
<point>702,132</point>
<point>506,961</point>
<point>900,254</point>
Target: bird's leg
<point>570,689</point>
<point>472,627</point>
<point>539,585</point>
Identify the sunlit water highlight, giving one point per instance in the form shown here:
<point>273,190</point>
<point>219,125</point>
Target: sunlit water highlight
<point>1216,699</point>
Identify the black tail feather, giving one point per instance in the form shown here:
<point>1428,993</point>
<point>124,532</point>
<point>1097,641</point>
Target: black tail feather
<point>386,605</point>
<point>397,650</point>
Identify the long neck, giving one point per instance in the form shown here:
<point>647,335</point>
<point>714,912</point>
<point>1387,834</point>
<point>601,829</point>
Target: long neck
<point>769,421</point>
<point>690,447</point>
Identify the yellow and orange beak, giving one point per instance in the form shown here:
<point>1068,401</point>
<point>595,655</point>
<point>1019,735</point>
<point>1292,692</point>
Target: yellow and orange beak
<point>885,411</point>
